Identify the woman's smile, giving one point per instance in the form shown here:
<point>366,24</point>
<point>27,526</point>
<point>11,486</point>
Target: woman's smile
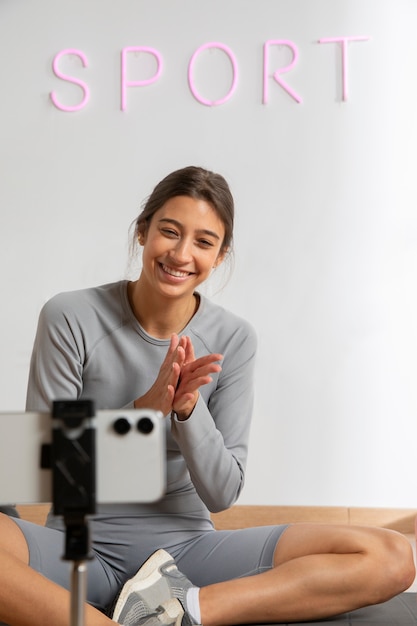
<point>175,273</point>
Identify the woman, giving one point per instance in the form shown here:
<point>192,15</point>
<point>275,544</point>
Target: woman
<point>157,343</point>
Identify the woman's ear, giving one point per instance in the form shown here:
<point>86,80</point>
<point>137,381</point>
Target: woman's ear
<point>141,231</point>
<point>220,257</point>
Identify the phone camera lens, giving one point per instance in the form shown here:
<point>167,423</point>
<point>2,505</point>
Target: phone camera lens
<point>122,426</point>
<point>145,425</point>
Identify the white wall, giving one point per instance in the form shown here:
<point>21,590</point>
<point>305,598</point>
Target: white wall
<point>325,189</point>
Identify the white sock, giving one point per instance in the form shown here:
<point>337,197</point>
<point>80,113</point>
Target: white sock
<point>193,603</point>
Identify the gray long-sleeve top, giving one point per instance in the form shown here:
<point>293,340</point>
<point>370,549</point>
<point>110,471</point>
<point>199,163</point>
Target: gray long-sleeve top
<point>90,345</point>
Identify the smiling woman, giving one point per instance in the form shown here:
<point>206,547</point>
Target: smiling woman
<point>181,246</point>
<point>158,343</point>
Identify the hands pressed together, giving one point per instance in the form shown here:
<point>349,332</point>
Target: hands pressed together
<point>179,379</point>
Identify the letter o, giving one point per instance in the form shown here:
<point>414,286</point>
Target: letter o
<point>232,58</point>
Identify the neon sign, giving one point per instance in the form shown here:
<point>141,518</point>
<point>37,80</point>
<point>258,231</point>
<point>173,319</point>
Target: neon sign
<point>268,77</point>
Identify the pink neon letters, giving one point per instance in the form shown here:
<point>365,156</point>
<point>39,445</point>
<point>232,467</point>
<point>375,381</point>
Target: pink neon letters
<point>268,74</point>
<point>344,41</point>
<point>191,74</point>
<point>70,79</point>
<point>138,83</point>
<point>276,74</point>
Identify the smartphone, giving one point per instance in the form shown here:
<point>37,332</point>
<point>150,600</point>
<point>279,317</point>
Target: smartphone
<point>128,448</point>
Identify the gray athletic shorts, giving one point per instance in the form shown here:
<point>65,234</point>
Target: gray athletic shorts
<point>204,557</point>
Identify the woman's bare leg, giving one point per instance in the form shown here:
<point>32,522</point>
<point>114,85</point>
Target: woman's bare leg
<point>26,597</point>
<point>319,571</point>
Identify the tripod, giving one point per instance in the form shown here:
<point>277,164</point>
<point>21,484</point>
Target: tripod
<point>74,489</point>
<point>77,550</point>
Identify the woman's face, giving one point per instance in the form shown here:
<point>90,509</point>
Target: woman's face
<point>181,246</point>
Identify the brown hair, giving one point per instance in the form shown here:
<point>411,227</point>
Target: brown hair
<point>194,182</point>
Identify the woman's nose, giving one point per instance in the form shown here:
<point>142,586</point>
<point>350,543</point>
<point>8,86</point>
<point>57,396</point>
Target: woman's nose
<point>182,250</point>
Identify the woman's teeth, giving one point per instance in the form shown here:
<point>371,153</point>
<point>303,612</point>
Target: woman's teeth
<point>173,272</point>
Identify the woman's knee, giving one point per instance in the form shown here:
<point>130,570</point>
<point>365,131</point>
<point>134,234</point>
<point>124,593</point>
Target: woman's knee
<point>395,563</point>
<point>12,539</point>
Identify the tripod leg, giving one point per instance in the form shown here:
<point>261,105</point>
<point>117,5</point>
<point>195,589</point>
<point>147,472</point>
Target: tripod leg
<point>78,593</point>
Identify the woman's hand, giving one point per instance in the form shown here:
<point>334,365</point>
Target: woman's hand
<point>179,379</point>
<point>194,373</point>
<point>161,395</point>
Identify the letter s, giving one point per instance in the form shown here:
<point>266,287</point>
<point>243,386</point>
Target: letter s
<point>70,79</point>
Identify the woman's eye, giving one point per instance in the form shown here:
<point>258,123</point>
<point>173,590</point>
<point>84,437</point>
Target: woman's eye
<point>205,243</point>
<point>169,232</point>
